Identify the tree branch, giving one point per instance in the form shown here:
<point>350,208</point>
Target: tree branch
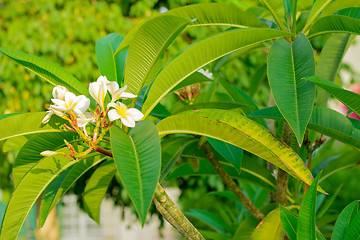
<point>173,214</point>
<point>229,182</point>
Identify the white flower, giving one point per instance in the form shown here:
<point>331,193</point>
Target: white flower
<point>98,90</point>
<point>48,153</point>
<point>59,92</point>
<point>79,104</point>
<point>118,93</point>
<point>47,117</point>
<point>84,120</point>
<point>127,116</point>
<point>206,73</point>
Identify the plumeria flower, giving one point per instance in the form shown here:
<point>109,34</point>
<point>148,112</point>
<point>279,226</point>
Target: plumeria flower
<point>118,93</point>
<point>84,120</point>
<point>98,90</point>
<point>78,104</point>
<point>49,153</point>
<point>127,116</point>
<point>59,92</point>
<point>206,73</point>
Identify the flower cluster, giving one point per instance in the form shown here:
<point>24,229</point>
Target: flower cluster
<point>75,110</point>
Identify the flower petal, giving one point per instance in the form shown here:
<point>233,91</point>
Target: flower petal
<point>128,121</point>
<point>112,87</point>
<point>94,90</point>
<point>102,80</point>
<point>59,92</point>
<point>58,102</point>
<point>47,117</point>
<point>126,95</point>
<point>83,103</point>
<point>114,105</point>
<point>135,114</point>
<point>113,115</point>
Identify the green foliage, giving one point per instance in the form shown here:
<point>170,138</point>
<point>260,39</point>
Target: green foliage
<point>288,64</point>
<point>160,59</point>
<point>137,158</point>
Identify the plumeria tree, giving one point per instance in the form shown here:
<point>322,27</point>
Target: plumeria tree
<point>123,125</point>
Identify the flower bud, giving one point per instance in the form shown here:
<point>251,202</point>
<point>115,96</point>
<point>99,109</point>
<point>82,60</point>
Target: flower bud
<point>59,92</point>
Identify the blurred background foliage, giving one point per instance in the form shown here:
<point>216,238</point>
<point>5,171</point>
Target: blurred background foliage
<point>65,32</point>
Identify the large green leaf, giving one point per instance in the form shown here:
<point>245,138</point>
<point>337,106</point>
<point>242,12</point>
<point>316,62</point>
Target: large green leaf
<point>57,189</point>
<point>315,11</point>
<point>306,220</point>
<point>30,153</point>
<point>150,43</point>
<point>350,99</point>
<point>110,65</point>
<point>205,14</point>
<point>335,24</point>
<point>96,188</point>
<point>240,131</point>
<point>343,221</point>
<point>211,49</point>
<point>330,60</point>
<point>338,5</point>
<point>217,14</point>
<point>48,71</point>
<point>28,123</point>
<point>270,228</point>
<point>353,231</point>
<point>137,157</point>
<point>289,222</point>
<point>29,190</point>
<point>288,63</point>
<point>324,120</point>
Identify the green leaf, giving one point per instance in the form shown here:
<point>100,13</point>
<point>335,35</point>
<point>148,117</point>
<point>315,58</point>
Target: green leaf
<point>323,120</point>
<point>217,14</point>
<point>337,5</point>
<point>329,61</point>
<point>211,49</point>
<point>306,220</point>
<point>96,188</point>
<point>353,231</point>
<point>209,219</point>
<point>150,43</point>
<point>343,221</point>
<point>29,154</point>
<point>270,228</point>
<point>28,123</point>
<point>287,65</point>
<point>137,157</point>
<point>240,131</point>
<point>326,206</point>
<point>289,222</point>
<point>171,151</point>
<point>205,14</point>
<point>108,63</point>
<point>48,71</point>
<point>28,191</point>
<point>335,24</point>
<point>315,11</point>
<point>350,99</point>
<point>211,105</point>
<point>230,152</point>
<point>245,228</point>
<point>276,9</point>
<point>57,189</point>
